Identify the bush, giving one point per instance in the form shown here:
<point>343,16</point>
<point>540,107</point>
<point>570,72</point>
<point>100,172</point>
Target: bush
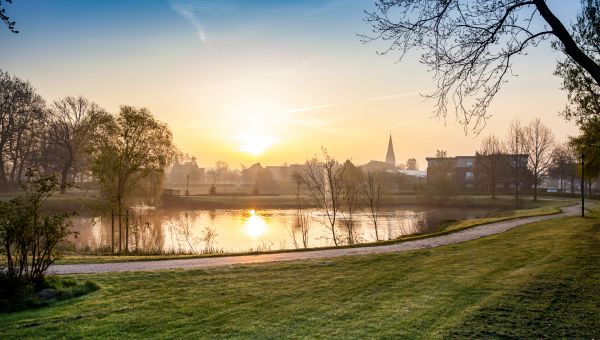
<point>15,296</point>
<point>29,236</point>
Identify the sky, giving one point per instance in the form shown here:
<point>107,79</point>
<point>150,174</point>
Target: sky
<point>262,81</point>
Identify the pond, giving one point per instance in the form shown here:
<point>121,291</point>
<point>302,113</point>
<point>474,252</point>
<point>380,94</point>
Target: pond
<point>230,231</point>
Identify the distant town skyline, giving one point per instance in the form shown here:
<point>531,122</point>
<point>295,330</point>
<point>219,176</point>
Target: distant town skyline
<point>232,86</point>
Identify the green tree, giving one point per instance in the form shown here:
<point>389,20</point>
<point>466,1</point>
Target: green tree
<point>588,144</point>
<point>130,148</point>
<point>583,91</point>
<point>30,236</point>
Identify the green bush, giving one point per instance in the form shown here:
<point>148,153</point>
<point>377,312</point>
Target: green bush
<point>29,239</point>
<point>15,296</point>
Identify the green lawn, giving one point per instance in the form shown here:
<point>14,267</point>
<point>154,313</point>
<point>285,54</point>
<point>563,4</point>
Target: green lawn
<point>539,280</point>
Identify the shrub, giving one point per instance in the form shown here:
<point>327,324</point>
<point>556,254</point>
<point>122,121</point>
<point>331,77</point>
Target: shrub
<point>29,236</point>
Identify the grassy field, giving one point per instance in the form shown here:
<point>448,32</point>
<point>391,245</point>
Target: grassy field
<point>547,208</point>
<point>535,281</point>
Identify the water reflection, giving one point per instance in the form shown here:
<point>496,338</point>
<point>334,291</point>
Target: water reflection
<point>255,225</point>
<point>204,231</point>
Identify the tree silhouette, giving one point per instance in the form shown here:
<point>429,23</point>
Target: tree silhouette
<point>5,18</point>
<point>470,46</point>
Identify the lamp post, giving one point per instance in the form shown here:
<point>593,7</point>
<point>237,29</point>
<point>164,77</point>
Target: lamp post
<point>187,185</point>
<point>582,185</point>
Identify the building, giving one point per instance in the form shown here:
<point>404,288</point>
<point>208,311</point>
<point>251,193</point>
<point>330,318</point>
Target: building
<point>390,157</point>
<point>459,169</point>
<point>470,172</point>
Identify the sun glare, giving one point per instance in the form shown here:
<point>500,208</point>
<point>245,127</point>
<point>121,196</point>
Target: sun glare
<point>254,143</point>
<point>255,226</point>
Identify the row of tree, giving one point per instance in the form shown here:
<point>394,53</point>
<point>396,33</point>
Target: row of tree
<point>529,153</point>
<point>127,153</point>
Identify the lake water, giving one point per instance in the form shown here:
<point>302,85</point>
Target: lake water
<point>210,231</point>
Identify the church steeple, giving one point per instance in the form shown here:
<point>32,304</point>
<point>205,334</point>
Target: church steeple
<point>390,158</point>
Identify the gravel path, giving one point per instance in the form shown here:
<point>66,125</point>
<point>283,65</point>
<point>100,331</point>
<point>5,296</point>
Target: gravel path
<point>457,237</point>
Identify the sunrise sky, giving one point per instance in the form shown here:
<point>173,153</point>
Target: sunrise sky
<point>260,81</point>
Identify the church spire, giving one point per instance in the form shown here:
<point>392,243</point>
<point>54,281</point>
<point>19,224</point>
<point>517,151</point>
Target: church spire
<point>390,158</point>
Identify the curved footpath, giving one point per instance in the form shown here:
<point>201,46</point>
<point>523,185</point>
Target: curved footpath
<point>452,238</point>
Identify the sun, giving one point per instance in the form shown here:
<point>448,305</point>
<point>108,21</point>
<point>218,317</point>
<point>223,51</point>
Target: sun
<point>255,143</point>
<point>255,226</point>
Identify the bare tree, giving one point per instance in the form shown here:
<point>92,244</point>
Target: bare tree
<point>564,164</point>
<point>302,217</point>
<point>371,193</point>
<point>351,199</point>
<point>72,124</point>
<point>5,18</point>
<point>325,183</point>
<point>539,142</point>
<point>489,161</point>
<point>515,146</point>
<point>471,45</point>
<point>22,124</point>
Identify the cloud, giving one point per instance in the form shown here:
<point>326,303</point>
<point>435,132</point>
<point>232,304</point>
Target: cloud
<point>398,95</point>
<point>193,10</point>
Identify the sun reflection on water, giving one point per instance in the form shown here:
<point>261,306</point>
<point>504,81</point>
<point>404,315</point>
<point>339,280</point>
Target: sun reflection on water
<point>254,226</point>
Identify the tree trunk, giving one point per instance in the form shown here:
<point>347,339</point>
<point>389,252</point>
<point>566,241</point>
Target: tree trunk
<point>64,177</point>
<point>570,47</point>
<point>535,186</point>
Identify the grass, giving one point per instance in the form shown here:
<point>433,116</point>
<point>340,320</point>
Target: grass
<point>534,281</point>
<point>68,202</point>
<point>548,207</point>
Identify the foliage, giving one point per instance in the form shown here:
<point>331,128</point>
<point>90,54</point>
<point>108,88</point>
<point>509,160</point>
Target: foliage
<point>411,164</point>
<point>564,164</point>
<point>535,281</point>
<point>588,144</point>
<point>442,187</point>
<point>22,129</point>
<point>583,92</point>
<point>14,295</point>
<point>29,236</point>
<point>132,146</point>
<point>471,46</point>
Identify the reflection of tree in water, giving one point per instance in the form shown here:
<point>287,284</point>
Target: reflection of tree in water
<point>212,214</point>
<point>180,232</point>
<point>300,225</point>
<point>145,226</point>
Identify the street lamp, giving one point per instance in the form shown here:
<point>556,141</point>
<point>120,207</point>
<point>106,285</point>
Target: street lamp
<point>582,185</point>
<point>187,185</point>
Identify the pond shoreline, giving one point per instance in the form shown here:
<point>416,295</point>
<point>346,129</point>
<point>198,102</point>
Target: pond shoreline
<point>472,223</point>
<point>451,237</point>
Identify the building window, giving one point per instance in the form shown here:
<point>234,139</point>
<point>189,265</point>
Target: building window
<point>468,175</point>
